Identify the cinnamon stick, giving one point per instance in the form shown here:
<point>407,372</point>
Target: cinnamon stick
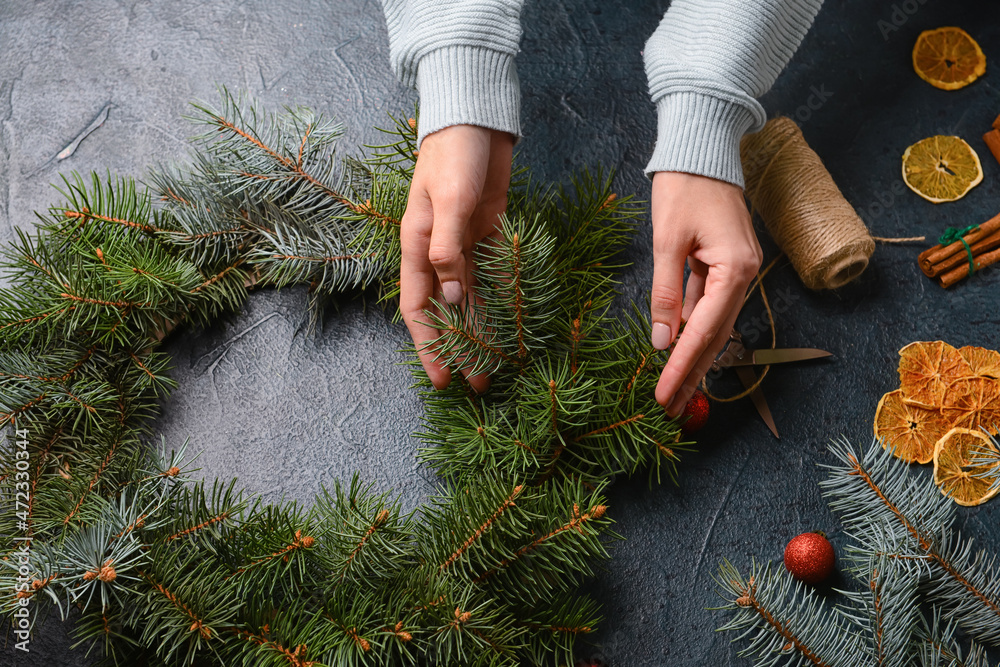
<point>962,258</point>
<point>996,123</point>
<point>992,139</point>
<point>951,277</point>
<point>938,253</point>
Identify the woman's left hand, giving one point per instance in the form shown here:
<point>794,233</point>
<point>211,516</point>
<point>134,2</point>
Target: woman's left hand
<point>704,222</point>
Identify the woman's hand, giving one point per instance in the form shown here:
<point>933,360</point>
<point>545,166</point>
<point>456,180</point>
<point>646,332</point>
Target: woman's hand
<point>459,188</point>
<point>704,221</point>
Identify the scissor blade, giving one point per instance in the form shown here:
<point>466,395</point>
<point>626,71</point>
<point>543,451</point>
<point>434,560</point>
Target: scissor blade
<point>780,356</point>
<point>748,378</point>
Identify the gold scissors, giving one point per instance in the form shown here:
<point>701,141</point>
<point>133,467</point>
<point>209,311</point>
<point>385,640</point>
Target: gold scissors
<point>741,359</point>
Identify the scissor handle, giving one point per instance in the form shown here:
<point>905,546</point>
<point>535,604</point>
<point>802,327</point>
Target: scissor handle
<point>733,348</point>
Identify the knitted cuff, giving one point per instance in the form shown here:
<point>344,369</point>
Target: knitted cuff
<point>468,85</point>
<point>700,134</point>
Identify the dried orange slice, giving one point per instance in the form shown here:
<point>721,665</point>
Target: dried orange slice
<point>926,369</point>
<point>910,430</point>
<point>955,472</point>
<point>948,58</point>
<point>973,402</point>
<point>982,361</point>
<point>941,168</point>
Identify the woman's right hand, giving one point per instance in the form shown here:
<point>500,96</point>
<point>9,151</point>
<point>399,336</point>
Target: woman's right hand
<point>459,189</point>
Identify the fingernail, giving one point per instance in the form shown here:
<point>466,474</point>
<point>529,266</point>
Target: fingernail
<point>661,335</point>
<point>675,408</point>
<point>672,409</point>
<point>680,401</point>
<point>452,291</point>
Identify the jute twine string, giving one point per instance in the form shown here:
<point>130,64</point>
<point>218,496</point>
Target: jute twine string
<point>757,283</point>
<point>805,213</point>
<point>802,208</point>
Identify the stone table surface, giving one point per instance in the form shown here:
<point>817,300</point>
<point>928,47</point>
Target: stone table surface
<point>282,413</point>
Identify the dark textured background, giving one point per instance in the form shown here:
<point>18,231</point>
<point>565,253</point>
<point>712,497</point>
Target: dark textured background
<point>283,414</point>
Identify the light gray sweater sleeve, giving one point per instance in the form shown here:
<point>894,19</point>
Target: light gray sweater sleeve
<point>706,63</point>
<point>460,56</point>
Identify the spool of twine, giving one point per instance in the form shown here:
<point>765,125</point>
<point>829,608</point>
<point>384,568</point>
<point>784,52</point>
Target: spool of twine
<point>803,208</point>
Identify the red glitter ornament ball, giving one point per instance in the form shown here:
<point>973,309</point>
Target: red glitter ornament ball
<point>809,557</point>
<point>696,412</point>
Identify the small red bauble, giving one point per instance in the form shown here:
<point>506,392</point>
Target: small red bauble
<point>809,557</point>
<point>696,412</point>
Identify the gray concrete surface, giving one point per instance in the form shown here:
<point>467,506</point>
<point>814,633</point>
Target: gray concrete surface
<point>283,414</point>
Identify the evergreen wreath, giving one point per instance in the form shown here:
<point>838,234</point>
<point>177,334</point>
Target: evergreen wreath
<point>165,571</point>
<point>921,586</point>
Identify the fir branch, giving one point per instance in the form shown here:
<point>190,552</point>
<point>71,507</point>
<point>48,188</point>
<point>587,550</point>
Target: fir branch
<point>147,373</point>
<point>196,627</point>
<point>516,277</point>
<point>105,462</point>
<point>204,524</point>
<point>96,561</point>
<point>400,153</point>
<point>296,657</point>
<point>575,523</point>
<point>468,626</point>
<point>107,630</point>
<point>484,575</point>
<point>298,542</point>
<point>569,535</point>
<point>556,624</point>
<point>356,629</point>
<point>199,518</point>
<point>470,342</point>
<point>468,435</point>
<point>876,497</point>
<point>938,646</point>
<point>984,462</point>
<point>784,620</point>
<point>107,282</point>
<point>886,611</point>
<point>294,633</point>
<point>115,201</point>
<point>554,400</point>
<point>205,223</point>
<point>85,214</point>
<point>486,525</point>
<point>364,536</point>
<point>621,423</point>
<point>259,153</point>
